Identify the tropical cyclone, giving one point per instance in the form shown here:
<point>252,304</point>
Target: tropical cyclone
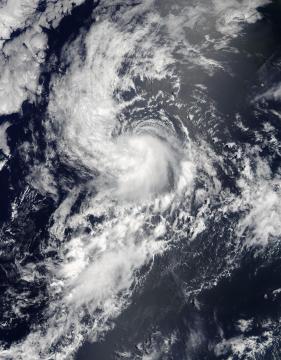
<point>132,143</point>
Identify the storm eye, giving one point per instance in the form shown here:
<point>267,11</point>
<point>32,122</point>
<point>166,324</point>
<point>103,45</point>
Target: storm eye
<point>147,165</point>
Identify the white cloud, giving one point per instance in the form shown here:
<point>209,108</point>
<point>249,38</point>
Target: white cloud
<point>263,218</point>
<point>246,347</point>
<point>273,93</point>
<point>20,68</point>
<point>234,14</point>
<point>259,202</point>
<point>15,15</point>
<point>3,138</point>
<point>137,175</point>
<point>21,56</point>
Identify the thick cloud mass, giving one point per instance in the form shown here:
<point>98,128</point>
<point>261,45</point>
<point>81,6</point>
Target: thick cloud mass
<point>147,166</point>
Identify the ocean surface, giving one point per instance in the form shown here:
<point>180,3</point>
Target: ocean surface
<point>140,180</point>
